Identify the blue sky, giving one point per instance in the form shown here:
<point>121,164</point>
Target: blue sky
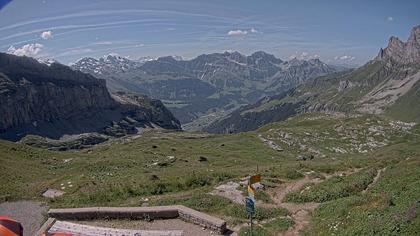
<point>339,32</point>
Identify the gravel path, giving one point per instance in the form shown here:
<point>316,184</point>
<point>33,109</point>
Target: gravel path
<point>29,213</point>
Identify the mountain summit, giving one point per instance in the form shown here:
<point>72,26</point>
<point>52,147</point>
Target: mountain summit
<point>402,52</point>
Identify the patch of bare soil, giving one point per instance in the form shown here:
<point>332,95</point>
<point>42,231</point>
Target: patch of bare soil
<point>230,191</point>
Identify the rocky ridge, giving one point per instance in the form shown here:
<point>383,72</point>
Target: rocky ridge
<point>402,52</point>
<point>53,100</point>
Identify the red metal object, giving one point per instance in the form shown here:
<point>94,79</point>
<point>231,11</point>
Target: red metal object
<point>10,227</point>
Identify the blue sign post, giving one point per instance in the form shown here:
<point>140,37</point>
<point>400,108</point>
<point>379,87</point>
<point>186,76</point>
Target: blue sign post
<point>250,205</point>
<point>250,208</point>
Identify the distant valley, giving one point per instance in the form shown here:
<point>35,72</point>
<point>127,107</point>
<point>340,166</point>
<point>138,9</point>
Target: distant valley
<point>201,90</point>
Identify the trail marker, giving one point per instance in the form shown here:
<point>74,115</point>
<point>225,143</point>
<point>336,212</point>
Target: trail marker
<point>251,192</point>
<point>255,179</point>
<point>250,205</point>
<point>250,208</point>
<point>250,200</point>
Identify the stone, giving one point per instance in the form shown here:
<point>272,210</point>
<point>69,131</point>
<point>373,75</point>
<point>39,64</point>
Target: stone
<point>53,193</point>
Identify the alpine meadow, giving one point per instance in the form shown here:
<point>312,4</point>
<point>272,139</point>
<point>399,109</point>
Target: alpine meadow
<point>209,118</point>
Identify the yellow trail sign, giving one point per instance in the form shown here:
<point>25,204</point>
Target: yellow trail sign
<point>251,191</point>
<point>252,180</point>
<point>255,179</point>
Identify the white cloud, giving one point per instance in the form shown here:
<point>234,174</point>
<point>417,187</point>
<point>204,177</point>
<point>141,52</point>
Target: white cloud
<point>237,32</point>
<point>30,50</point>
<point>390,18</point>
<point>344,58</point>
<point>253,30</point>
<point>46,35</point>
<point>304,56</point>
<point>103,43</point>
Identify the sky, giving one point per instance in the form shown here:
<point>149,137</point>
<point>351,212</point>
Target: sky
<point>337,32</point>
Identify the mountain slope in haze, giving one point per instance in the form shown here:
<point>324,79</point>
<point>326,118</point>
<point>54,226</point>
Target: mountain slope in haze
<point>209,84</point>
<point>389,84</point>
<point>53,100</point>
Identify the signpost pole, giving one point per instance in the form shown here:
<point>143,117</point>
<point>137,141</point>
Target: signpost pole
<point>250,200</point>
<point>251,225</point>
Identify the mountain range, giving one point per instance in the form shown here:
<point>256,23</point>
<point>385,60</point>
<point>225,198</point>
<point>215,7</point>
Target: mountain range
<point>200,90</point>
<point>219,92</point>
<point>387,85</point>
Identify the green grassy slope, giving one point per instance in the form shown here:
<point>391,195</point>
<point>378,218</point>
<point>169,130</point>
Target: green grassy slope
<point>177,167</point>
<point>338,92</point>
<point>407,107</point>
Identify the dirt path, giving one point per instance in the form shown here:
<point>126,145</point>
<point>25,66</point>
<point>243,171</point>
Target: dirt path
<point>29,213</point>
<point>301,212</point>
<point>378,175</point>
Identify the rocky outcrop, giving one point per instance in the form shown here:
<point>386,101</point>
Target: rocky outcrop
<point>402,52</point>
<point>53,100</point>
<point>67,142</point>
<point>140,110</point>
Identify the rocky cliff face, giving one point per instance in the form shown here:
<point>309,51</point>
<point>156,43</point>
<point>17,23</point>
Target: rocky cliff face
<point>53,100</point>
<point>33,91</point>
<point>402,52</point>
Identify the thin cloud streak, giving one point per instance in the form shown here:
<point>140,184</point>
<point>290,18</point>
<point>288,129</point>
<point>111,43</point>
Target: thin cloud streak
<point>106,12</point>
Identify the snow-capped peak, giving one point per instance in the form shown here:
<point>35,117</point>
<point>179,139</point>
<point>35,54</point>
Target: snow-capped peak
<point>107,64</point>
<point>46,61</point>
